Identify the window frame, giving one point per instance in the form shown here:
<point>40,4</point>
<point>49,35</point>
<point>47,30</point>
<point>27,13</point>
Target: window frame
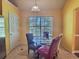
<point>40,24</point>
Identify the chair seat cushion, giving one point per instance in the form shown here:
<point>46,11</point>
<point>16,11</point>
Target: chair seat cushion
<point>43,50</point>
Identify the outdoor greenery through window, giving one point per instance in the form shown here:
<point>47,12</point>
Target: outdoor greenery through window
<point>2,28</point>
<point>40,24</point>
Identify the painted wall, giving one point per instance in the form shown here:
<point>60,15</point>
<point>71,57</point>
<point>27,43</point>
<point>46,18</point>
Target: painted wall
<point>57,21</point>
<point>0,7</point>
<point>76,46</point>
<point>6,8</point>
<point>69,24</point>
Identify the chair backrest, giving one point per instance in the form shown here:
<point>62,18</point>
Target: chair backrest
<point>29,37</point>
<point>54,47</point>
<point>46,35</point>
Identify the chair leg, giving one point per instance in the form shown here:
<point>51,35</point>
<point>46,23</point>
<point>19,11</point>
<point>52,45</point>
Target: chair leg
<point>54,57</point>
<point>37,55</point>
<point>40,57</point>
<point>28,51</point>
<point>56,54</point>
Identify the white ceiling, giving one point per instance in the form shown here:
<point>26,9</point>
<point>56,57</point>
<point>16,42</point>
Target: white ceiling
<point>44,5</point>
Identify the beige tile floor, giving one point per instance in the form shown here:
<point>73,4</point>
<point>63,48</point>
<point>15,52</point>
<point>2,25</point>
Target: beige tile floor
<point>17,53</point>
<point>22,54</point>
<point>62,55</point>
<point>66,55</point>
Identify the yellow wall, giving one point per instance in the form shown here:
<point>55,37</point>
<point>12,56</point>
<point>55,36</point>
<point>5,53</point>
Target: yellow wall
<point>0,7</point>
<point>6,8</point>
<point>69,24</point>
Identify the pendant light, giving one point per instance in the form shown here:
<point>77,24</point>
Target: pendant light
<point>35,8</point>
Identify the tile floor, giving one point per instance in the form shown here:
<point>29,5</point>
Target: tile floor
<point>21,53</point>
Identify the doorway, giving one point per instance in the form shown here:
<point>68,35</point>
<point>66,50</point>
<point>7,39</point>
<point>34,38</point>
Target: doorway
<point>13,29</point>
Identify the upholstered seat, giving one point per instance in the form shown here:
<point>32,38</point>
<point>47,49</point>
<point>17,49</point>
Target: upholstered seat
<point>50,52</point>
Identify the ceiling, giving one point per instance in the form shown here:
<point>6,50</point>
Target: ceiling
<point>44,5</point>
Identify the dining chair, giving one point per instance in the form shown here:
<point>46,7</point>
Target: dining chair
<point>46,35</point>
<point>50,52</point>
<point>31,43</point>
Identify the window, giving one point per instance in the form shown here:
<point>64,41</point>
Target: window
<point>2,28</point>
<point>40,24</point>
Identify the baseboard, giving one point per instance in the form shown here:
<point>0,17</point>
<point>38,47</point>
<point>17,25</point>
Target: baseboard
<point>76,51</point>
